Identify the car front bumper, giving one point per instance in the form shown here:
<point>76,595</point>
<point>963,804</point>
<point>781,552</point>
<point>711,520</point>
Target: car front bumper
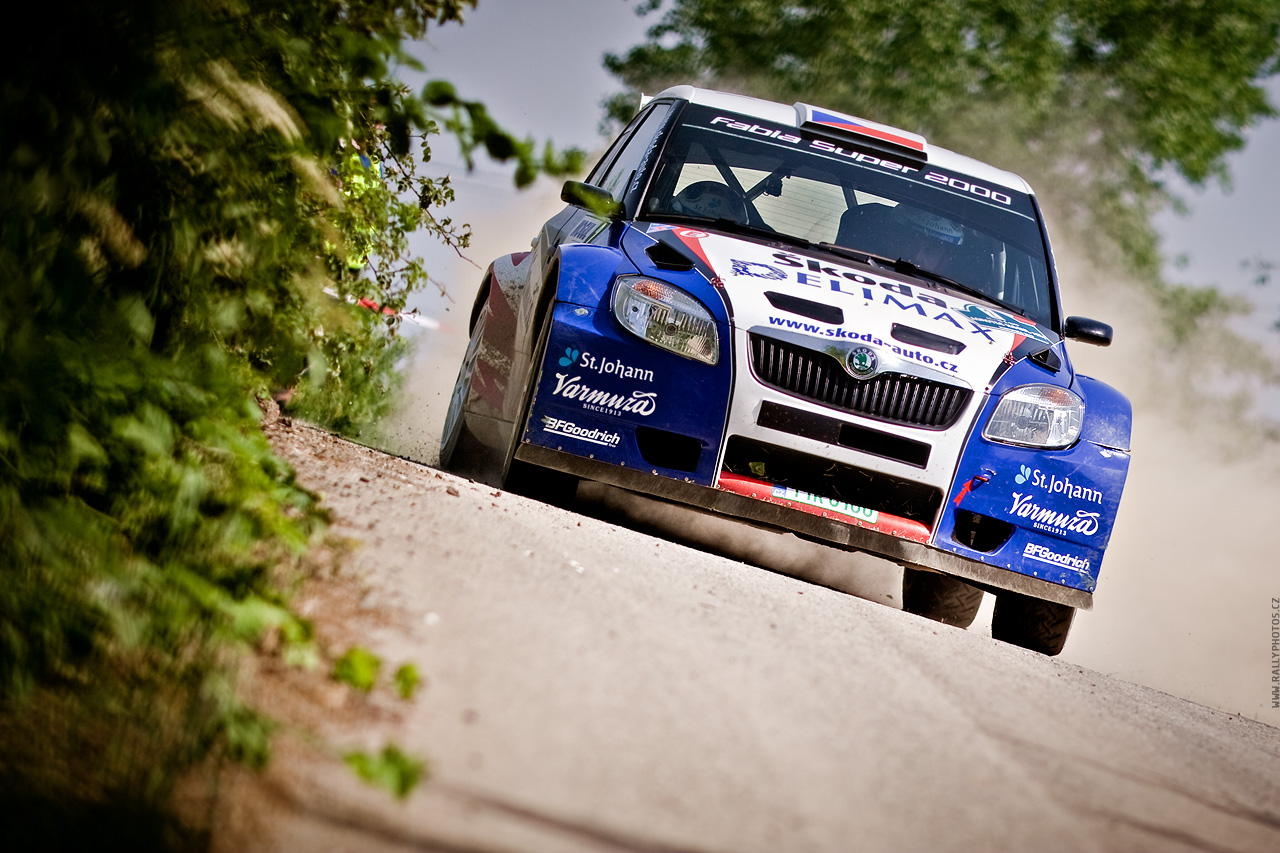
<point>613,409</point>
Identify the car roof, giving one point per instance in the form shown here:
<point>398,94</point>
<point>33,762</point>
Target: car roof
<point>794,115</point>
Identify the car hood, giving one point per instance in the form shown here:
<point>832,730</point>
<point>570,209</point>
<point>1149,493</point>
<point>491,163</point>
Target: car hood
<point>895,322</point>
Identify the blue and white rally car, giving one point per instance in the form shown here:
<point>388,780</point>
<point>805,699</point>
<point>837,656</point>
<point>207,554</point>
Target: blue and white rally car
<point>816,323</point>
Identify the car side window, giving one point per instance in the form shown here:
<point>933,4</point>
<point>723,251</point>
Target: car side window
<point>602,167</point>
<point>617,177</point>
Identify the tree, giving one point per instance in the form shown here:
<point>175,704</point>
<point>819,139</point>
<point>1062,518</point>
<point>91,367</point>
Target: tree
<point>177,225</point>
<point>1097,97</point>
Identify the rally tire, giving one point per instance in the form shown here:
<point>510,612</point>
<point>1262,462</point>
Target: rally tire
<point>1041,626</point>
<point>941,598</point>
<point>460,451</point>
<point>468,457</point>
<point>542,484</point>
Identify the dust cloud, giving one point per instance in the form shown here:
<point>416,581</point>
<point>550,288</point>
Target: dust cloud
<point>503,223</point>
<point>1184,600</point>
<point>1185,596</point>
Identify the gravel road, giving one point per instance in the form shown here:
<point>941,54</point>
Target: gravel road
<point>593,688</point>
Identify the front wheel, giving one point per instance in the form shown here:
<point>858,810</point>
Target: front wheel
<point>941,598</point>
<point>460,451</point>
<point>542,484</point>
<point>1032,623</point>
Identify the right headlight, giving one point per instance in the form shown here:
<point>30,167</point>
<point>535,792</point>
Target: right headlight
<point>1037,416</point>
<point>666,316</point>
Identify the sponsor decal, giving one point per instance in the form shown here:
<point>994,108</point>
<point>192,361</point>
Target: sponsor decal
<point>1053,558</point>
<point>848,335</point>
<point>861,362</point>
<point>967,187</point>
<point>962,316</point>
<point>755,129</point>
<point>641,403</point>
<point>681,231</point>
<point>858,512</point>
<point>996,319</point>
<point>1056,485</point>
<point>569,429</point>
<point>585,230</point>
<point>1083,522</point>
<point>604,366</point>
<point>823,146</point>
<point>757,270</point>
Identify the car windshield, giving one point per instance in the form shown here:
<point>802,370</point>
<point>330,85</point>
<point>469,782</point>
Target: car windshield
<point>757,178</point>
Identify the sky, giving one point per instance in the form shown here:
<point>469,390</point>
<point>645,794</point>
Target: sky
<point>538,67</point>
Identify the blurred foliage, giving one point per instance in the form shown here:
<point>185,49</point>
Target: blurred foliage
<point>391,769</point>
<point>407,681</point>
<point>1188,310</point>
<point>359,668</point>
<point>187,223</point>
<point>469,121</point>
<point>1096,100</point>
<point>1261,269</point>
<point>360,386</point>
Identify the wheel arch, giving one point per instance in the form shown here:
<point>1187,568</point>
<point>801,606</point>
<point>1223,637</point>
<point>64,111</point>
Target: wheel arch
<point>1108,419</point>
<point>482,296</point>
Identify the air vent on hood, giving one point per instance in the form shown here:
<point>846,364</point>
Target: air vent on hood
<point>668,257</point>
<point>806,308</point>
<point>1048,359</point>
<point>926,340</point>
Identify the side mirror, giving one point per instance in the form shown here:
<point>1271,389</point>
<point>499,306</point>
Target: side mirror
<point>1089,331</point>
<point>592,198</point>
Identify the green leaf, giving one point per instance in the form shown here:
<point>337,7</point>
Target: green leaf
<point>439,93</point>
<point>391,770</point>
<point>248,737</point>
<point>359,668</point>
<point>407,680</point>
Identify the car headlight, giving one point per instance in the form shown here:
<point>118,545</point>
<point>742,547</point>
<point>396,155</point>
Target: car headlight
<point>1037,416</point>
<point>666,316</point>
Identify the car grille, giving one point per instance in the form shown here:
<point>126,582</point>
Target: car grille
<point>892,397</point>
<point>821,476</point>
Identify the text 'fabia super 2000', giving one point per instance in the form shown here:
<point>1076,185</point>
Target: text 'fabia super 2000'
<point>818,323</point>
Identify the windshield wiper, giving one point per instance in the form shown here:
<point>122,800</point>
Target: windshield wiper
<point>902,265</point>
<point>733,226</point>
<point>854,254</point>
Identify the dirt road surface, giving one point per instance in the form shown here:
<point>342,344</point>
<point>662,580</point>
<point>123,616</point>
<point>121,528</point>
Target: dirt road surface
<point>592,688</point>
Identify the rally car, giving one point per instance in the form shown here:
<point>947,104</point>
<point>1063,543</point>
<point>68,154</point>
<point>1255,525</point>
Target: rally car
<point>816,323</point>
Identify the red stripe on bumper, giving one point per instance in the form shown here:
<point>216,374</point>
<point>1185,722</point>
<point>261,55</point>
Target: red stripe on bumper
<point>893,525</point>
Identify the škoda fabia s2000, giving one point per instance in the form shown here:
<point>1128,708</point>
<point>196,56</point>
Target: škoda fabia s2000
<point>816,323</point>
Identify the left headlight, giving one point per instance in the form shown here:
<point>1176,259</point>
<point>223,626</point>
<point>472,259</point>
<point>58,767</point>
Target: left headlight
<point>666,316</point>
<point>1037,416</point>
